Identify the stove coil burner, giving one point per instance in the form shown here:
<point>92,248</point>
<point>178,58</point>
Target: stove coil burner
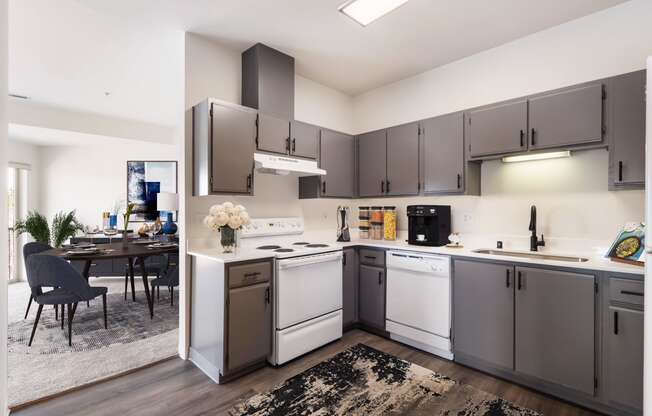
<point>284,250</point>
<point>268,247</point>
<point>317,245</point>
<point>301,243</point>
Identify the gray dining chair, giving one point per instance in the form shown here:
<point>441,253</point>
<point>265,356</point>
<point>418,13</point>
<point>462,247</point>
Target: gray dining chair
<point>70,288</point>
<point>36,247</point>
<point>152,270</point>
<point>169,279</point>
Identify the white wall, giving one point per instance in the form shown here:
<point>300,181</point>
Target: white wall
<point>3,191</point>
<point>213,70</point>
<point>91,179</point>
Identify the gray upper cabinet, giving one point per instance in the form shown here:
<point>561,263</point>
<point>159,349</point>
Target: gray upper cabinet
<point>350,287</point>
<point>497,129</point>
<point>218,127</point>
<point>483,302</point>
<point>371,298</point>
<point>305,140</point>
<point>249,315</point>
<point>627,148</point>
<point>268,81</point>
<point>273,134</point>
<point>624,337</point>
<point>553,307</point>
<point>443,154</point>
<point>372,163</point>
<point>403,160</point>
<point>337,157</point>
<point>570,117</point>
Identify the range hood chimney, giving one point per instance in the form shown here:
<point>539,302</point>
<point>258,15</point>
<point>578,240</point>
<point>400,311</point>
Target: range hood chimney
<point>268,86</point>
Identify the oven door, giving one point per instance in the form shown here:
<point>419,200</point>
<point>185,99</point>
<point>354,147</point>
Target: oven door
<point>307,287</point>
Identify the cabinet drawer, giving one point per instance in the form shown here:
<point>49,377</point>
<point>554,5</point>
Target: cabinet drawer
<point>628,291</point>
<point>372,257</point>
<point>249,274</point>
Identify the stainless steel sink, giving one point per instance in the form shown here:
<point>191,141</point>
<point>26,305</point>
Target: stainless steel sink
<point>533,255</point>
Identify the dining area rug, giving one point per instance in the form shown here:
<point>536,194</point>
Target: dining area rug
<point>364,381</point>
<point>50,366</point>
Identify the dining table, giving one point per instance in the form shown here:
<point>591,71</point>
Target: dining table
<point>133,251</point>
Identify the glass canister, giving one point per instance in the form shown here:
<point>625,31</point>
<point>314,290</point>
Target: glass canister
<point>389,223</point>
<point>363,232</point>
<point>376,214</point>
<point>376,231</point>
<point>363,217</point>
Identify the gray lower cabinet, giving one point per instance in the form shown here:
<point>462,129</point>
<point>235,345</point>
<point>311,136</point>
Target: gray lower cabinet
<point>443,154</point>
<point>627,148</point>
<point>403,160</point>
<point>372,163</point>
<point>483,312</point>
<point>248,315</point>
<point>371,299</point>
<point>305,140</point>
<point>552,308</point>
<point>273,134</point>
<point>572,116</point>
<point>497,129</point>
<point>350,287</point>
<point>224,137</point>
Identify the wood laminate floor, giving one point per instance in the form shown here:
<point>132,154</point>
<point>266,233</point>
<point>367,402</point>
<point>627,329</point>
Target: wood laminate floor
<point>177,387</point>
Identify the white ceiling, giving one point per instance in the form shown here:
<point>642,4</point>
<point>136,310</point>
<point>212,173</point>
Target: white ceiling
<point>69,52</point>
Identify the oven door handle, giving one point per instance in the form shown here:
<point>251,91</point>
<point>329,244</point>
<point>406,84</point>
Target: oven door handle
<point>299,262</point>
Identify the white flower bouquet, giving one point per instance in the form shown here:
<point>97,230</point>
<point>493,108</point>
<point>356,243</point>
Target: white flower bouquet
<point>227,218</point>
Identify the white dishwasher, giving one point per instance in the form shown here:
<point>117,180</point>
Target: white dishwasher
<point>419,301</point>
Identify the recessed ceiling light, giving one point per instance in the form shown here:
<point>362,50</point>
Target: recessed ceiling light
<point>536,156</point>
<point>366,11</point>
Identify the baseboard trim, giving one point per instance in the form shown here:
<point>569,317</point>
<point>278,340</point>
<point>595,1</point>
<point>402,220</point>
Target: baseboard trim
<point>83,386</point>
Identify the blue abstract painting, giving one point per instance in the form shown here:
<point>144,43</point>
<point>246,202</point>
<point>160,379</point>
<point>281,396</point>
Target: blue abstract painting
<point>145,180</point>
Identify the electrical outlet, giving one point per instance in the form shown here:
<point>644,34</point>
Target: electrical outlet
<point>467,217</point>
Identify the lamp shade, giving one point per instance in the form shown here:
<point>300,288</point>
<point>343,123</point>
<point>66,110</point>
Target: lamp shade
<point>166,201</point>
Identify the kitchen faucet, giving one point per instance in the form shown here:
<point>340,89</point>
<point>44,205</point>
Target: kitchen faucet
<point>535,243</point>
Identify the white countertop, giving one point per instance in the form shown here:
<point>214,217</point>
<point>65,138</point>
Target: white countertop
<point>595,262</point>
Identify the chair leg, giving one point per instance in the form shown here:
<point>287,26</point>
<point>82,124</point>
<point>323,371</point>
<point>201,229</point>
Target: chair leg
<point>171,295</point>
<point>69,325</point>
<point>31,298</point>
<point>126,283</point>
<point>152,291</point>
<point>38,316</point>
<point>106,326</point>
<point>158,293</point>
<point>133,287</point>
<point>56,312</point>
<point>63,314</point>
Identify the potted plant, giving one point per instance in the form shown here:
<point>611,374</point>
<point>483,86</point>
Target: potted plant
<point>227,219</point>
<point>65,225</point>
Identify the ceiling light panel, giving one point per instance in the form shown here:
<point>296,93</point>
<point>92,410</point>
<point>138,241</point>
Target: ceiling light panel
<point>536,156</point>
<point>366,11</point>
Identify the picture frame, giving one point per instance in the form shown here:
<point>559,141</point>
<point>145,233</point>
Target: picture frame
<point>145,179</point>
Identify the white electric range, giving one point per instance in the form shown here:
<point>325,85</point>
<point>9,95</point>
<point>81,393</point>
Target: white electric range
<point>307,286</point>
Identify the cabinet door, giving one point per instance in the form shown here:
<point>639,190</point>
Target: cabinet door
<point>337,158</point>
<point>305,140</point>
<point>372,296</point>
<point>625,357</point>
<point>350,288</point>
<point>249,337</point>
<point>443,148</point>
<point>483,302</point>
<point>233,145</point>
<point>552,308</point>
<point>569,117</point>
<point>497,130</point>
<point>403,160</point>
<point>372,163</point>
<point>273,134</point>
<point>627,153</point>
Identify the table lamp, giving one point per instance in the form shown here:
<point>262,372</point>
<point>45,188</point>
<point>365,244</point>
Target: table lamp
<point>168,202</point>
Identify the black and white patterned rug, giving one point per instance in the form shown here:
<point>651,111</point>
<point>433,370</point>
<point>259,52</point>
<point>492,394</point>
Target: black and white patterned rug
<point>365,381</point>
<point>128,322</point>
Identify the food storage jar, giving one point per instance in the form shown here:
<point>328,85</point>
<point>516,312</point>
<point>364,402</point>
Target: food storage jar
<point>363,213</point>
<point>376,214</point>
<point>376,232</point>
<point>389,223</point>
<point>363,232</point>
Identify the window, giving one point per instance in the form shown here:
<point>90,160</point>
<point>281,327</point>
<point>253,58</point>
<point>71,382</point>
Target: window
<point>12,210</point>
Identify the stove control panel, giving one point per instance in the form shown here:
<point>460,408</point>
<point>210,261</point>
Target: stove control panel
<point>262,227</point>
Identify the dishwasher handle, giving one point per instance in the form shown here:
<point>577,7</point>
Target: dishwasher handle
<point>304,261</point>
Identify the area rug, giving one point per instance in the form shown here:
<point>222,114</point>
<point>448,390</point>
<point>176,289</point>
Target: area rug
<point>365,381</point>
<point>50,366</point>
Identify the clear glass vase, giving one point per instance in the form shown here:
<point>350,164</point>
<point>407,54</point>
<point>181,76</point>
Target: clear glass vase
<point>228,239</point>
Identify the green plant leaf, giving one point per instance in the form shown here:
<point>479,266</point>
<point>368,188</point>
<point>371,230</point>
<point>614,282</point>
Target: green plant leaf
<point>35,225</point>
<point>64,226</point>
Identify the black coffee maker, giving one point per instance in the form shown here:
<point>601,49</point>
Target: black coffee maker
<point>429,225</point>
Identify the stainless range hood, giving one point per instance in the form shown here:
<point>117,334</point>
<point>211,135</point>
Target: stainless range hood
<point>285,165</point>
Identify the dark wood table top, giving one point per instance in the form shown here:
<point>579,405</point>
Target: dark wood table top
<point>114,251</point>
